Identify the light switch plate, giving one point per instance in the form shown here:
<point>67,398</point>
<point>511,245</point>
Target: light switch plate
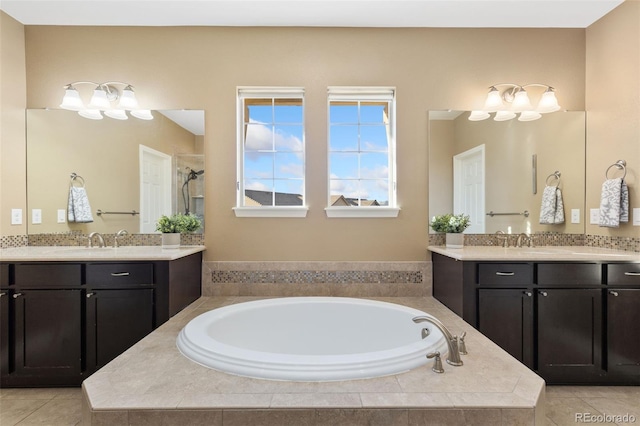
<point>594,216</point>
<point>636,216</point>
<point>62,216</point>
<point>575,215</point>
<point>16,216</point>
<point>36,216</point>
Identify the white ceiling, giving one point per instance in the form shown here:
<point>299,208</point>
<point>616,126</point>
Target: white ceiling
<point>191,120</point>
<point>331,13</point>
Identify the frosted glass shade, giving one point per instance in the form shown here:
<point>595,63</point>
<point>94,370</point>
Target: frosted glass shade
<point>504,115</point>
<point>529,116</point>
<point>142,114</point>
<point>99,100</point>
<point>117,114</point>
<point>93,114</point>
<point>71,100</point>
<point>478,115</point>
<point>548,102</point>
<point>493,101</point>
<point>521,102</point>
<point>128,99</point>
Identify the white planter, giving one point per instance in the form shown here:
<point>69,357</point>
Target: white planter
<point>171,240</point>
<point>455,240</point>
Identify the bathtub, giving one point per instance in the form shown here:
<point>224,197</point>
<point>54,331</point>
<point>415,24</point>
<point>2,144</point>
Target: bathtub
<point>310,339</point>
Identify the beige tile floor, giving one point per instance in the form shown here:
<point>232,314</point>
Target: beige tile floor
<point>60,407</point>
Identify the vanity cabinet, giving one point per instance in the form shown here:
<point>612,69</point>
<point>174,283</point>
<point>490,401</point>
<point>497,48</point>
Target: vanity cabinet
<point>62,321</point>
<point>571,322</point>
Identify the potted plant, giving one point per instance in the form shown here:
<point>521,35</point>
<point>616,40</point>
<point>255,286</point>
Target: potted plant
<point>453,226</point>
<point>174,225</point>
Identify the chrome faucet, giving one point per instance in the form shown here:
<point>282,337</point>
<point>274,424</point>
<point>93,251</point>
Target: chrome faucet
<point>500,235</point>
<point>100,239</point>
<point>522,236</point>
<point>121,233</point>
<point>453,357</point>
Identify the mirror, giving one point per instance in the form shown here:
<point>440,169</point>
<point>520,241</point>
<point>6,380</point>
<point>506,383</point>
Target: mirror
<point>132,171</point>
<point>518,158</point>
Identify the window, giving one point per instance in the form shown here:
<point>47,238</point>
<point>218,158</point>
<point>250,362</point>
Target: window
<point>361,152</point>
<point>271,168</point>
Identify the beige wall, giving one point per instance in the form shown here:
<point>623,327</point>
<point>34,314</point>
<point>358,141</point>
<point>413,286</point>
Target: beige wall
<point>613,104</point>
<point>105,153</point>
<point>13,99</point>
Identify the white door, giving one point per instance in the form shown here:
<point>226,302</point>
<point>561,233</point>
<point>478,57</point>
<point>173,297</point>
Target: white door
<point>155,187</point>
<point>468,187</point>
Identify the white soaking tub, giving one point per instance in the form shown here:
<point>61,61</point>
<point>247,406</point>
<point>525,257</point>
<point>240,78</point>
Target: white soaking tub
<point>310,339</point>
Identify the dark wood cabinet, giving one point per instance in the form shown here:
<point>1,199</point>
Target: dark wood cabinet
<point>5,296</point>
<point>623,334</point>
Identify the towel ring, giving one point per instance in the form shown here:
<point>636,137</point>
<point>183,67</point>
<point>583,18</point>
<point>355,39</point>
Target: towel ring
<point>555,175</point>
<point>621,165</point>
<point>75,176</point>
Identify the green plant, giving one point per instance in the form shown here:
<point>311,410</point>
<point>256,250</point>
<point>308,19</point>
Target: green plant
<point>182,223</point>
<point>450,223</point>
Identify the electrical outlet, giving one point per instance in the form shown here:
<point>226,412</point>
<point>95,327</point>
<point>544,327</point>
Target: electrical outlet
<point>575,215</point>
<point>62,216</point>
<point>16,216</point>
<point>594,216</point>
<point>36,216</point>
<point>636,217</point>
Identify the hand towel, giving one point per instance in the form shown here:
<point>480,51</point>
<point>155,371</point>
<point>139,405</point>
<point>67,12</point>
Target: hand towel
<point>552,207</point>
<point>79,210</point>
<point>614,203</point>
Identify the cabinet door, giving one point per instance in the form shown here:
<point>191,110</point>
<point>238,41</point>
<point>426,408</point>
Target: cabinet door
<point>116,320</point>
<point>506,317</point>
<point>4,332</point>
<point>48,330</point>
<point>623,331</point>
<point>569,335</point>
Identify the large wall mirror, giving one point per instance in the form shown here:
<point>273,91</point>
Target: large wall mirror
<point>496,171</point>
<point>130,171</point>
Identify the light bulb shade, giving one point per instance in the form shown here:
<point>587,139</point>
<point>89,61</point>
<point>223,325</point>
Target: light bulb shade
<point>504,115</point>
<point>142,114</point>
<point>521,102</point>
<point>71,100</point>
<point>117,114</point>
<point>99,100</point>
<point>493,101</point>
<point>128,99</point>
<point>92,114</point>
<point>548,102</point>
<point>478,115</point>
<point>529,116</point>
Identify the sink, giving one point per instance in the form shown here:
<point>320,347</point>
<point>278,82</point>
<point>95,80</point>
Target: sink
<point>543,251</point>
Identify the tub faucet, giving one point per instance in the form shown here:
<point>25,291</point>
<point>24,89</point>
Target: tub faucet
<point>121,233</point>
<point>453,357</point>
<point>100,239</point>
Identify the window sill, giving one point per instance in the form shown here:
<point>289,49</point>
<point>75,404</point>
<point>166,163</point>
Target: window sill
<point>271,211</point>
<point>362,212</point>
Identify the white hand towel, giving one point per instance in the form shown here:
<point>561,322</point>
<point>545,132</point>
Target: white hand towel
<point>552,207</point>
<point>79,210</point>
<point>614,203</point>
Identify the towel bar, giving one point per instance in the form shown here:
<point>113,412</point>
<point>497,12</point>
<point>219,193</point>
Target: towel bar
<point>524,213</point>
<point>132,212</point>
<point>621,165</point>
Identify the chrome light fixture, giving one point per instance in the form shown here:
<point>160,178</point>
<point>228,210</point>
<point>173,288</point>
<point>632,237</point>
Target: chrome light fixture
<point>105,96</point>
<point>514,100</point>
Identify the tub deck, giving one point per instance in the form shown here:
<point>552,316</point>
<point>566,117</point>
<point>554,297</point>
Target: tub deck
<point>152,383</point>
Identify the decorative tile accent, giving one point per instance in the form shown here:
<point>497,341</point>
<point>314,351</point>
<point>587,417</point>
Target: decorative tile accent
<point>11,241</point>
<point>80,239</point>
<point>540,239</point>
<point>329,277</point>
<point>618,243</point>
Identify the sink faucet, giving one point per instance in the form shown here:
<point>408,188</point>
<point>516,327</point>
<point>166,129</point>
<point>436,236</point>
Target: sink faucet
<point>453,357</point>
<point>500,235</point>
<point>121,233</point>
<point>100,239</point>
<point>522,236</point>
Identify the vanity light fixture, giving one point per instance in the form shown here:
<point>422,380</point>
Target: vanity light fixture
<point>105,95</point>
<point>513,100</point>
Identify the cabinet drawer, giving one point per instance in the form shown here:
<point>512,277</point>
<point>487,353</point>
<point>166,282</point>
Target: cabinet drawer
<point>569,274</point>
<point>119,274</point>
<point>505,274</point>
<point>48,275</point>
<point>623,274</point>
<point>4,275</point>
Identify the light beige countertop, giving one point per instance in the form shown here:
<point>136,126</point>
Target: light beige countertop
<point>76,253</point>
<point>152,383</point>
<point>549,253</point>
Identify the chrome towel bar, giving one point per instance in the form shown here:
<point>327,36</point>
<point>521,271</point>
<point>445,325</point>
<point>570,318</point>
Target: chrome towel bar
<point>132,212</point>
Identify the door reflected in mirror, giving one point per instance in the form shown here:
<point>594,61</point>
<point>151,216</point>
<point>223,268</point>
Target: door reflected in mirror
<point>502,167</point>
<point>132,171</point>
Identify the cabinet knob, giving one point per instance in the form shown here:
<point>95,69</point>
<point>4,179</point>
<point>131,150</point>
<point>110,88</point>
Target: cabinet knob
<point>15,296</point>
<point>528,293</point>
<point>90,294</point>
<point>543,293</point>
<point>613,293</point>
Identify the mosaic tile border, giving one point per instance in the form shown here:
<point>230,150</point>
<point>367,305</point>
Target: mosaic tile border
<point>80,239</point>
<point>11,241</point>
<point>328,277</point>
<point>540,239</point>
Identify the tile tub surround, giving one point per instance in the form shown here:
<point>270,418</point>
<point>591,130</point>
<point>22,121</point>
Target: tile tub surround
<point>346,279</point>
<point>152,383</point>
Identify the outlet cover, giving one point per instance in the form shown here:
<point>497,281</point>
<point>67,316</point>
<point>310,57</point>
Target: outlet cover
<point>594,216</point>
<point>16,216</point>
<point>36,216</point>
<point>575,215</point>
<point>62,216</point>
<point>636,216</point>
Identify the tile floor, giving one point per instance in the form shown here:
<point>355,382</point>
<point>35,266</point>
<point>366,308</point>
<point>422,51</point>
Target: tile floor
<point>60,407</point>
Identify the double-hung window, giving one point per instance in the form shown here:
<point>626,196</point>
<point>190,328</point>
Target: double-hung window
<point>271,154</point>
<point>362,160</point>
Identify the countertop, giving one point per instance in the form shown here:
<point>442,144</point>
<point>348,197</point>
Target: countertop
<point>75,253</point>
<point>549,253</point>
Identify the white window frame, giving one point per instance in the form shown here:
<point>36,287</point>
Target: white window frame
<point>387,94</point>
<point>240,210</point>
